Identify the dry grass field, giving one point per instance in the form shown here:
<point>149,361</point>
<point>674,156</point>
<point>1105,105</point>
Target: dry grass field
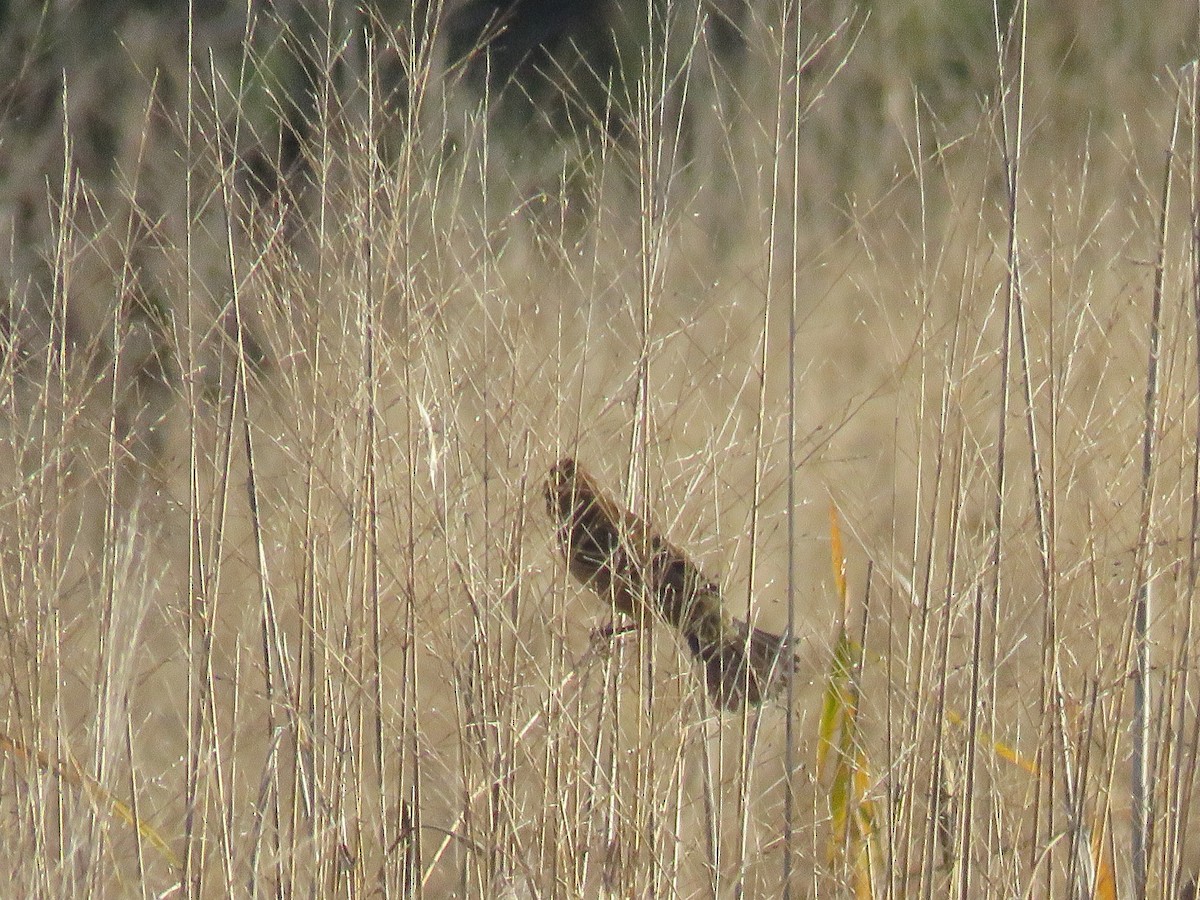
<point>282,612</point>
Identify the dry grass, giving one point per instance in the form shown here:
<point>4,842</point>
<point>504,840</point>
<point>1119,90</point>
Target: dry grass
<point>276,580</point>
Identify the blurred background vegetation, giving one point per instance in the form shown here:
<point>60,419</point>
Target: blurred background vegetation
<point>87,69</point>
<point>102,86</point>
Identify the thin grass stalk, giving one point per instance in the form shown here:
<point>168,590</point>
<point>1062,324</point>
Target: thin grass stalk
<point>1043,529</point>
<point>1183,775</point>
<point>1086,743</point>
<point>650,110</point>
<point>684,85</point>
<point>203,605</point>
<point>13,592</point>
<point>303,814</point>
<point>45,813</point>
<point>512,575</point>
<point>52,483</point>
<point>213,569</point>
<point>195,577</point>
<point>509,645</point>
<point>608,721</point>
<point>486,701</point>
<point>410,782</point>
<point>562,862</point>
<point>462,702</point>
<point>1161,759</point>
<point>480,731</point>
<point>1076,751</point>
<point>559,802</point>
<point>917,643</point>
<point>1012,154</point>
<point>710,736</point>
<point>111,536</point>
<point>138,849</point>
<point>917,648</point>
<point>1141,774</point>
<point>110,563</point>
<point>898,821</point>
<point>582,861</point>
<point>273,652</point>
<point>371,576</point>
<point>674,827</point>
<point>1083,875</point>
<point>968,807</point>
<point>755,508</point>
<point>940,689</point>
<point>1111,739</point>
<point>208,588</point>
<point>651,125</point>
<point>356,753</point>
<point>297,793</point>
<point>226,821</point>
<point>1108,700</point>
<point>891,706</point>
<point>1169,732</point>
<point>868,835</point>
<point>109,566</point>
<point>485,686</point>
<point>1187,785</point>
<point>791,25</point>
<point>1053,691</point>
<point>1182,765</point>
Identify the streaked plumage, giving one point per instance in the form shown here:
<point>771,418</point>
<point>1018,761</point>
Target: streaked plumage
<point>626,562</point>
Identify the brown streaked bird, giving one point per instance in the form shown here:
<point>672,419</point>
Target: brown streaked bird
<point>625,561</point>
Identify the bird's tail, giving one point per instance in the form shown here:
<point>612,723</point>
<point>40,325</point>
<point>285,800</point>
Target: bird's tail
<point>746,665</point>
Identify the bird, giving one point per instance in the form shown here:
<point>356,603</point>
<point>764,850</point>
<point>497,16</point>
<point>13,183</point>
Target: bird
<point>628,563</point>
